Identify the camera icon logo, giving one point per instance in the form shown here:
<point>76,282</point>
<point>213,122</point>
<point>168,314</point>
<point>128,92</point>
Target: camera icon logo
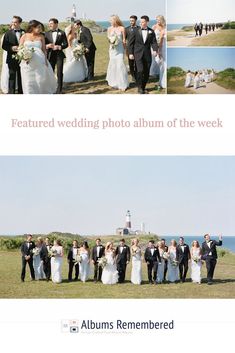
<point>74,329</point>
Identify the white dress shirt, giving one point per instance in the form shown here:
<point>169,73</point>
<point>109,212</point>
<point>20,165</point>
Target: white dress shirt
<point>98,251</point>
<point>54,36</point>
<point>209,246</point>
<point>152,251</point>
<point>144,34</point>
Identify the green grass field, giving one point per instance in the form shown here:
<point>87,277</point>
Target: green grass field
<point>11,286</point>
<point>223,38</point>
<point>99,85</point>
<point>176,86</point>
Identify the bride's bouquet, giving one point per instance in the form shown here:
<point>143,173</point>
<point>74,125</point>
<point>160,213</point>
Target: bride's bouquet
<point>113,40</point>
<point>196,259</point>
<point>102,262</point>
<point>52,253</point>
<point>78,259</point>
<point>78,51</point>
<point>36,251</point>
<point>24,54</point>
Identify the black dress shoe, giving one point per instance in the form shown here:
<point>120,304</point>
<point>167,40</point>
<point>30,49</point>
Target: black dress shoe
<point>22,280</point>
<point>141,91</point>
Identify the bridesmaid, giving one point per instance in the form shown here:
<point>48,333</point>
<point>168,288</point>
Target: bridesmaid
<point>37,260</point>
<point>161,266</point>
<point>84,265</point>
<point>196,263</point>
<point>136,272</point>
<point>173,268</point>
<point>56,262</point>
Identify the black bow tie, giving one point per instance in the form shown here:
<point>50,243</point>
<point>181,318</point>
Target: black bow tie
<point>144,29</point>
<point>55,31</point>
<point>17,30</point>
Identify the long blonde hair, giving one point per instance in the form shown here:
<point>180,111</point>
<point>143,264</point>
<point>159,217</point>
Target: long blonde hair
<point>117,21</point>
<point>161,20</point>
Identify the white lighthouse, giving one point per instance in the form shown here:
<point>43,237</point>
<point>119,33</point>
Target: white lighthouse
<point>128,220</point>
<point>74,11</point>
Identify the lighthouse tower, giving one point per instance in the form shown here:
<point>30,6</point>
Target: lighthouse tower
<point>74,12</point>
<point>128,220</point>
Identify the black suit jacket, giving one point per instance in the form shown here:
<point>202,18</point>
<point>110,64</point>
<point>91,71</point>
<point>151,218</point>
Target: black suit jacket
<point>94,256</point>
<point>27,250</point>
<point>9,41</point>
<point>183,256</point>
<point>123,256</point>
<point>60,40</point>
<point>206,250</point>
<point>152,258</point>
<point>70,254</point>
<point>138,48</point>
<point>129,30</point>
<point>44,253</point>
<point>87,39</point>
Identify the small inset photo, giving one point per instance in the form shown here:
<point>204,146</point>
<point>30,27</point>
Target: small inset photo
<point>201,71</point>
<point>201,23</point>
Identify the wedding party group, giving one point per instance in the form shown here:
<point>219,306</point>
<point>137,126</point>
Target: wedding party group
<point>32,58</point>
<point>164,263</point>
<point>211,27</point>
<point>199,78</point>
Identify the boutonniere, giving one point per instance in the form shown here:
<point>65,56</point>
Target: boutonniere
<point>59,33</point>
<point>150,32</point>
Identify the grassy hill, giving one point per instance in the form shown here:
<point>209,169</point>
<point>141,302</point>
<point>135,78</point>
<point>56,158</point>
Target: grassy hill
<point>226,78</point>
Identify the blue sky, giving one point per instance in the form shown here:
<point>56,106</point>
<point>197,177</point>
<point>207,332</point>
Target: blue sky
<point>192,11</point>
<point>97,10</point>
<point>201,58</point>
<point>90,195</point>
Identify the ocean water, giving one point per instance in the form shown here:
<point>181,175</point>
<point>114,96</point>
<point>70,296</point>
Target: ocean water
<point>174,26</point>
<point>106,24</point>
<point>228,242</point>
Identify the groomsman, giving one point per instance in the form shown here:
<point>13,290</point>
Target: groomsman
<point>73,252</point>
<point>27,257</point>
<point>152,258</point>
<point>56,42</point>
<point>166,261</point>
<point>97,253</point>
<point>123,255</point>
<point>183,256</point>
<point>85,37</point>
<point>46,258</point>
<point>10,44</point>
<point>129,30</point>
<point>140,44</point>
<point>209,254</point>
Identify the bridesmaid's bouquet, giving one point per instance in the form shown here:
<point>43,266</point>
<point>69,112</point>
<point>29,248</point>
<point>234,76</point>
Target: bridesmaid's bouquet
<point>78,259</point>
<point>165,256</point>
<point>174,263</point>
<point>102,262</point>
<point>24,54</point>
<point>52,253</point>
<point>113,40</point>
<point>36,251</point>
<point>78,51</point>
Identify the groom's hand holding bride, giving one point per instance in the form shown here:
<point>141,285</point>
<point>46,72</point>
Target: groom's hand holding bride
<point>131,57</point>
<point>15,48</point>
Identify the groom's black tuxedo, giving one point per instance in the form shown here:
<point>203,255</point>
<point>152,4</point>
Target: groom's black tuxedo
<point>56,57</point>
<point>123,256</point>
<point>95,256</point>
<point>209,254</point>
<point>46,260</point>
<point>27,250</point>
<point>85,37</point>
<point>71,262</point>
<point>142,53</point>
<point>10,40</point>
<point>152,258</point>
<point>183,257</point>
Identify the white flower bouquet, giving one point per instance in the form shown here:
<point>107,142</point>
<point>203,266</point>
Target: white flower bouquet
<point>78,259</point>
<point>113,40</point>
<point>165,256</point>
<point>196,259</point>
<point>102,262</point>
<point>52,253</point>
<point>174,263</point>
<point>24,54</point>
<point>36,251</point>
<point>78,51</point>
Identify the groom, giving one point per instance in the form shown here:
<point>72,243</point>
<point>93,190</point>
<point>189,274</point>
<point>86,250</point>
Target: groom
<point>85,37</point>
<point>209,254</point>
<point>10,45</point>
<point>140,44</point>
<point>123,258</point>
<point>183,256</point>
<point>97,252</point>
<point>56,42</point>
<point>27,257</point>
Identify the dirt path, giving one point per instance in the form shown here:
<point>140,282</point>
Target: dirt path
<point>187,39</point>
<point>212,88</point>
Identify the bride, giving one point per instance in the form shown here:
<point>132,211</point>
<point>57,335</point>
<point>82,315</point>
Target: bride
<point>37,74</point>
<point>75,70</point>
<point>110,273</point>
<point>5,70</point>
<point>84,265</point>
<point>136,272</point>
<point>196,263</point>
<point>56,262</point>
<point>117,75</point>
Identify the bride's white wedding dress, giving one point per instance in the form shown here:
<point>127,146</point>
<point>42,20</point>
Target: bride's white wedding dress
<point>196,266</point>
<point>136,272</point>
<point>172,271</point>
<point>4,71</point>
<point>56,264</point>
<point>117,74</point>
<point>37,77</point>
<point>74,70</point>
<point>84,266</point>
<point>38,266</point>
<point>110,273</point>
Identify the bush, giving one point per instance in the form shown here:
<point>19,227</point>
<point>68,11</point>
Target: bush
<point>223,252</point>
<point>229,25</point>
<point>175,72</point>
